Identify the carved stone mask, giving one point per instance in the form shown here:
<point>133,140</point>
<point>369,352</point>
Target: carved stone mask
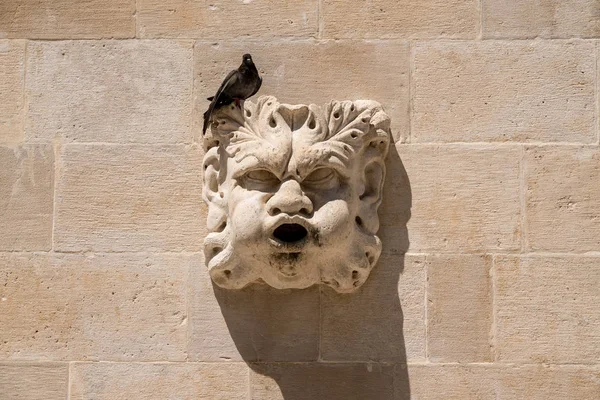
<point>293,192</point>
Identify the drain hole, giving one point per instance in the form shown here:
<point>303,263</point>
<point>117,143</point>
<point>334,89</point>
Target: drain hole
<point>216,250</point>
<point>290,233</point>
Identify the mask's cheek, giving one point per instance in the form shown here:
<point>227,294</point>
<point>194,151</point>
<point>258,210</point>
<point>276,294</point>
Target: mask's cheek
<point>333,222</point>
<point>247,213</point>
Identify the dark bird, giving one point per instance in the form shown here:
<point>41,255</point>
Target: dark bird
<point>239,84</point>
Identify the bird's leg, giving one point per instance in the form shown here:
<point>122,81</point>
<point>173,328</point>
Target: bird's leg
<point>237,102</point>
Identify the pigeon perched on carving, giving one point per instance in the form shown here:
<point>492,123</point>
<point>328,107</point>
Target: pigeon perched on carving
<point>239,84</point>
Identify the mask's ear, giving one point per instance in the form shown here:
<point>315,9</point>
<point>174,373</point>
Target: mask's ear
<point>212,193</point>
<point>373,177</point>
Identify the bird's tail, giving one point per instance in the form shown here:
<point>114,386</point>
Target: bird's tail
<point>207,116</point>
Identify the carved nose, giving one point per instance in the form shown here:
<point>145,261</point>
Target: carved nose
<point>290,199</point>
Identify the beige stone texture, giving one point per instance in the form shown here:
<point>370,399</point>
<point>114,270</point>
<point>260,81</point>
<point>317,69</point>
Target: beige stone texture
<point>65,19</point>
<point>34,381</point>
<point>227,19</point>
<point>159,381</point>
<point>459,308</point>
<point>26,197</point>
<point>12,78</point>
<point>129,198</point>
<point>499,91</point>
<point>503,381</point>
<point>339,381</point>
<point>383,321</point>
<point>289,218</point>
<point>542,18</point>
<point>305,72</point>
<point>418,19</point>
<point>110,91</point>
<point>258,323</point>
<point>563,198</point>
<point>464,197</point>
<point>93,307</point>
<point>547,309</point>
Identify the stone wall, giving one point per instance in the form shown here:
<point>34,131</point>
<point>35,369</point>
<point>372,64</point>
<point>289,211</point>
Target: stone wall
<point>489,283</point>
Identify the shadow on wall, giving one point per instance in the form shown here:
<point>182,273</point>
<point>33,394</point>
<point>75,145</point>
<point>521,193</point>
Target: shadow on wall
<point>318,344</point>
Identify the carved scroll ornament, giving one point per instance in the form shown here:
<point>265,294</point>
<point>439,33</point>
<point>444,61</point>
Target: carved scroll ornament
<point>293,192</point>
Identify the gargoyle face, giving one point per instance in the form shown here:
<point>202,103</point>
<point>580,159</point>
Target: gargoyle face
<point>293,193</point>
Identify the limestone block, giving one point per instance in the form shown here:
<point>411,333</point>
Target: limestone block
<point>321,381</point>
<point>563,192</point>
<point>258,323</point>
<point>62,19</point>
<point>419,19</point>
<point>463,197</point>
<point>125,381</point>
<point>34,381</point>
<point>227,19</point>
<point>542,18</point>
<point>312,72</point>
<point>110,91</point>
<point>504,91</point>
<point>547,309</point>
<point>129,198</point>
<point>507,382</point>
<point>12,75</point>
<point>26,197</point>
<point>384,320</point>
<point>459,308</point>
<point>93,307</point>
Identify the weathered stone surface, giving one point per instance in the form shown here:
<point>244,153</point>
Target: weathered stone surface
<point>33,381</point>
<point>504,91</point>
<point>91,307</point>
<point>547,309</point>
<point>383,321</point>
<point>563,192</point>
<point>507,382</point>
<point>227,19</point>
<point>12,75</point>
<point>463,197</point>
<point>110,91</point>
<point>124,381</point>
<point>62,19</point>
<point>282,213</point>
<point>321,381</point>
<point>542,18</point>
<point>312,72</point>
<point>258,323</point>
<point>26,197</point>
<point>129,198</point>
<point>459,308</point>
<point>375,19</point>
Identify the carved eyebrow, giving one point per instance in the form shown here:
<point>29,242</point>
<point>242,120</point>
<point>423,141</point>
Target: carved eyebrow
<point>338,156</point>
<point>254,164</point>
<point>329,160</point>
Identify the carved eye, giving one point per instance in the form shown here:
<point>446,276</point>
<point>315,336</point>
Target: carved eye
<point>320,176</point>
<point>261,176</point>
